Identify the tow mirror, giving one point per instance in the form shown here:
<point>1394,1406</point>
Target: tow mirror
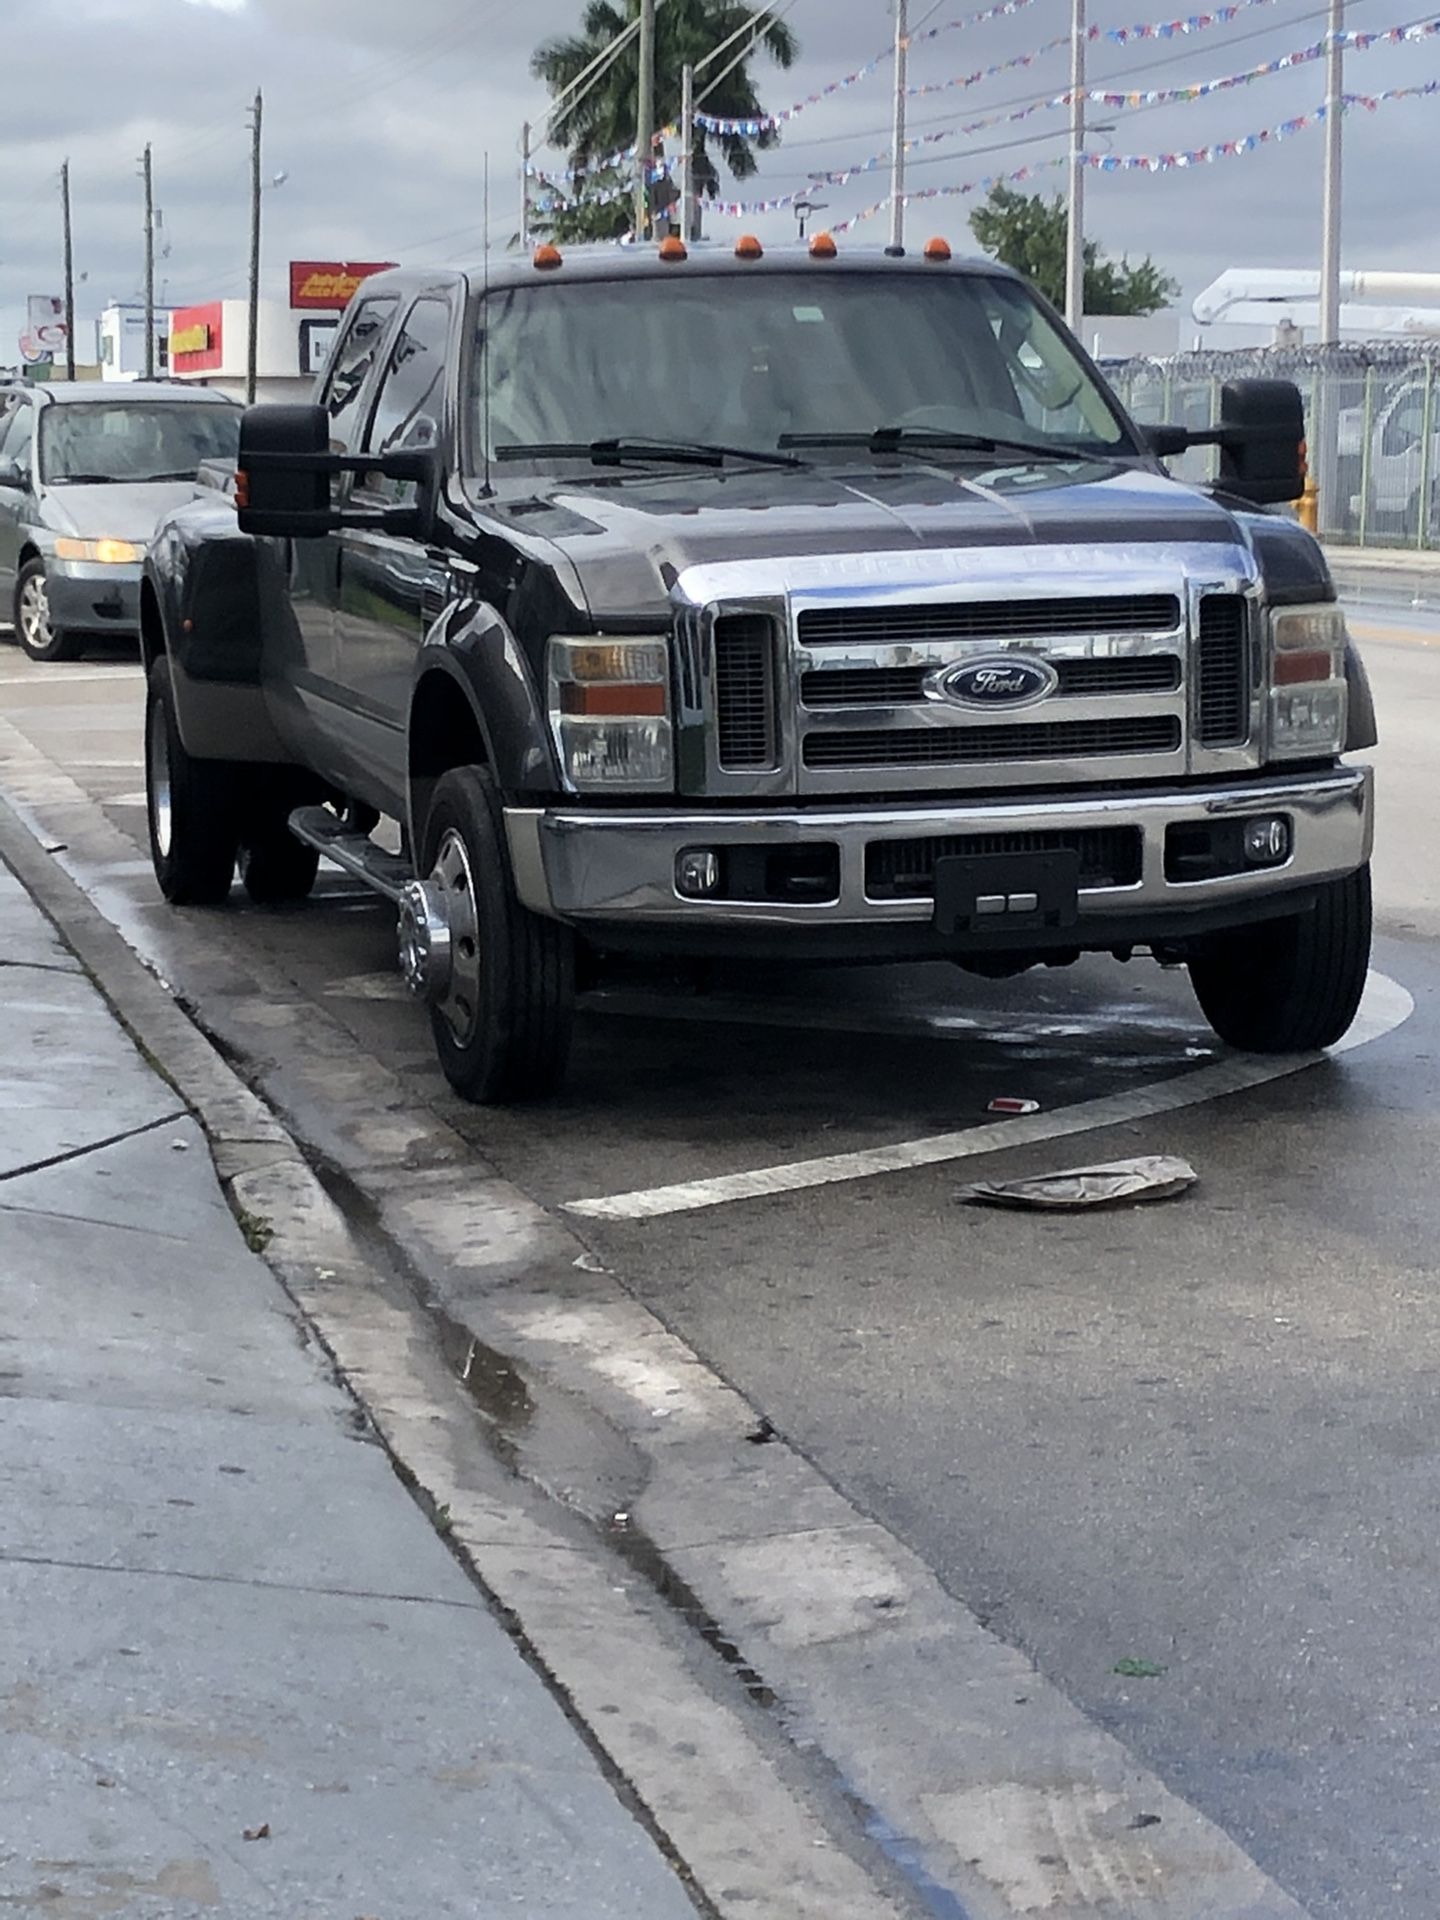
<point>1261,437</point>
<point>285,470</point>
<point>1262,441</point>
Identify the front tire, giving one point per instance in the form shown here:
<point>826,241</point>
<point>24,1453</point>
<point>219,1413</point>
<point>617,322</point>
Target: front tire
<point>502,1029</point>
<point>33,629</point>
<point>1292,985</point>
<point>190,804</point>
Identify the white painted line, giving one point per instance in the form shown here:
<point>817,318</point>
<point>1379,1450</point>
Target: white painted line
<point>66,676</point>
<point>1386,1005</point>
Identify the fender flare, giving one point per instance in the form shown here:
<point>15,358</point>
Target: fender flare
<point>474,650</point>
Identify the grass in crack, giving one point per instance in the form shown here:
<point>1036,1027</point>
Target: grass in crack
<point>256,1229</point>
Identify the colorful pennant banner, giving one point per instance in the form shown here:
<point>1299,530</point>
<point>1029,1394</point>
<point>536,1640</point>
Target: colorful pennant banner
<point>1249,142</point>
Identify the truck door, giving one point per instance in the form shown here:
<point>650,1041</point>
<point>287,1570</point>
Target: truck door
<point>302,660</point>
<point>390,588</point>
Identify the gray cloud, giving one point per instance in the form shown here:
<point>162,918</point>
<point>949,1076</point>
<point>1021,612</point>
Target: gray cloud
<point>382,116</point>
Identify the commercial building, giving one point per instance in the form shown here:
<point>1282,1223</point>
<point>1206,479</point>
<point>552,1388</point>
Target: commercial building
<point>120,341</point>
<point>209,344</point>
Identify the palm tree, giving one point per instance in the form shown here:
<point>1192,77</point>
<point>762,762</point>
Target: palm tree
<point>602,123</point>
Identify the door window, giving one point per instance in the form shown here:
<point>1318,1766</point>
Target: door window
<point>411,403</point>
<point>351,368</point>
<point>17,426</point>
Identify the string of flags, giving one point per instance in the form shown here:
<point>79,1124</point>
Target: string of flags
<point>1250,142</point>
<point>751,129</point>
<point>1028,172</point>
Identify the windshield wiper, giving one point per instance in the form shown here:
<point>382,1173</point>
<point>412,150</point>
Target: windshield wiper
<point>613,453</point>
<point>922,439</point>
<point>83,479</point>
<point>145,479</point>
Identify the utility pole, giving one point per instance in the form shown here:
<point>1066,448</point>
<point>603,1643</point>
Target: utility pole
<point>897,165</point>
<point>1075,224</point>
<point>644,118</point>
<point>688,222</point>
<point>148,178</point>
<point>252,354</point>
<point>1330,219</point>
<point>69,274</point>
<point>525,185</point>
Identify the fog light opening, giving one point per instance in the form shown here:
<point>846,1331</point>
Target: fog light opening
<point>697,872</point>
<point>1267,840</point>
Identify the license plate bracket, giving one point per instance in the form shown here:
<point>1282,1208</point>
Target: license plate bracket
<point>1005,894</point>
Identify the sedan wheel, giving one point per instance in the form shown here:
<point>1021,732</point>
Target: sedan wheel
<point>32,618</point>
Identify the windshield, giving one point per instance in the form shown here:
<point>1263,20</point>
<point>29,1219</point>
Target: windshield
<point>768,361</point>
<point>128,441</point>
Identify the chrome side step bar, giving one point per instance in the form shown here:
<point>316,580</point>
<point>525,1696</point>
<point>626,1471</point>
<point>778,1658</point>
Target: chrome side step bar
<point>386,872</point>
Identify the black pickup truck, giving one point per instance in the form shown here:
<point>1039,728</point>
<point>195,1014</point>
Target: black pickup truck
<point>720,603</point>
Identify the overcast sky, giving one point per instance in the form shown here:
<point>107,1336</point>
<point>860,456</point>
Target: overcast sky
<point>381,116</point>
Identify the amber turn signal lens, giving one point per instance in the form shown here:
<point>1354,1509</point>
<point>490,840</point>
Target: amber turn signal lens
<point>823,247</point>
<point>242,489</point>
<point>620,699</point>
<point>1297,669</point>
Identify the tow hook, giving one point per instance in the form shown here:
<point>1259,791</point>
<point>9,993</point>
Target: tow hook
<point>425,941</point>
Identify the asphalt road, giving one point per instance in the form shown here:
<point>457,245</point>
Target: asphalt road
<point>1203,1437</point>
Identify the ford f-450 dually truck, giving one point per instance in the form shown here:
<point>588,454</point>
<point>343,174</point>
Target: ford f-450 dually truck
<point>724,602</point>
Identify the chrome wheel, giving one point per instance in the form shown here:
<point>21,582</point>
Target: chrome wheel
<point>35,614</point>
<point>440,938</point>
<point>157,777</point>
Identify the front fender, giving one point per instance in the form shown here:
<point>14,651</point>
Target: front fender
<point>1360,728</point>
<point>475,648</point>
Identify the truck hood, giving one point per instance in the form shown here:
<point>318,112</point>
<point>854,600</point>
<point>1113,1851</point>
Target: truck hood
<point>631,539</point>
<point>119,510</point>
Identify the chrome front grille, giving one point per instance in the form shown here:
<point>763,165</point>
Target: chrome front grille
<point>988,620</point>
<point>744,691</point>
<point>899,686</point>
<point>1223,671</point>
<point>965,746</point>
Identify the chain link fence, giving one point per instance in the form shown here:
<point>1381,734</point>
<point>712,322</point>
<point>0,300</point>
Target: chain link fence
<point>1384,400</point>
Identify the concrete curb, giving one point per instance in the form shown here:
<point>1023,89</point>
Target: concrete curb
<point>988,1788</point>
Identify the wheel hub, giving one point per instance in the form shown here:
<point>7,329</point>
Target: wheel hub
<point>425,941</point>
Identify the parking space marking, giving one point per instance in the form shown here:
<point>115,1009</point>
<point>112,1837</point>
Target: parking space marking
<point>1386,1006</point>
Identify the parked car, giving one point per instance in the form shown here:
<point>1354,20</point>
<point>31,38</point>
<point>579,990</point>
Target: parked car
<point>86,475</point>
<point>1402,476</point>
<point>811,606</point>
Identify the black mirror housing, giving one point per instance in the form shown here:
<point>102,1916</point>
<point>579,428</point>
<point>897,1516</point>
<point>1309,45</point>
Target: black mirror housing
<point>1262,441</point>
<point>285,469</point>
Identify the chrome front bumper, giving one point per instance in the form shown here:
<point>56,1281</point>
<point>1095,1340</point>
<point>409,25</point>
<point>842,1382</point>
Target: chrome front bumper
<point>619,867</point>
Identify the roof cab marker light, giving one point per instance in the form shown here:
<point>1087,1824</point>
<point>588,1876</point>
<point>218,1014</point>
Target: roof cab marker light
<point>747,247</point>
<point>823,247</point>
<point>547,258</point>
<point>937,249</point>
<point>674,248</point>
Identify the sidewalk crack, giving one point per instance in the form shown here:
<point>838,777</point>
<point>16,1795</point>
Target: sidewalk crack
<point>95,1146</point>
<point>238,1580</point>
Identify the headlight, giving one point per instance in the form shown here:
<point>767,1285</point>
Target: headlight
<point>110,553</point>
<point>1308,697</point>
<point>610,712</point>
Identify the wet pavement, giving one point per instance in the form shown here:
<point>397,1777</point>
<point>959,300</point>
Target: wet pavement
<point>1199,1443</point>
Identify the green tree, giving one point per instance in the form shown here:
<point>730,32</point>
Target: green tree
<point>1027,232</point>
<point>603,122</point>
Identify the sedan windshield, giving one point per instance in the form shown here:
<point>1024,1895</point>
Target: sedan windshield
<point>961,367</point>
<point>129,441</point>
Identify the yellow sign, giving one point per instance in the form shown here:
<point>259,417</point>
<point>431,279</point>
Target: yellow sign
<point>194,339</point>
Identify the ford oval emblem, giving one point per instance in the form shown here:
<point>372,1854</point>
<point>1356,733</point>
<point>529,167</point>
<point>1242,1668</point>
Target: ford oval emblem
<point>1002,680</point>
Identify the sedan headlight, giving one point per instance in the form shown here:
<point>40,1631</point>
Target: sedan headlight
<point>109,553</point>
<point>1308,696</point>
<point>610,713</point>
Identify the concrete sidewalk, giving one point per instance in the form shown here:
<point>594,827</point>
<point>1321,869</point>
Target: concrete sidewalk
<point>241,1673</point>
<point>1386,573</point>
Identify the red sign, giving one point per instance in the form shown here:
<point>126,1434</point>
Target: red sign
<point>330,283</point>
<point>197,338</point>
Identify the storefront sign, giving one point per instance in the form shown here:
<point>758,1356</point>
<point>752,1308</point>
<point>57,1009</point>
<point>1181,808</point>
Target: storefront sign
<point>43,341</point>
<point>197,338</point>
<point>330,283</point>
<point>316,339</point>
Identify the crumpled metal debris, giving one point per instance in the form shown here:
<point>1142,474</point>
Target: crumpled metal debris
<point>1119,1183</point>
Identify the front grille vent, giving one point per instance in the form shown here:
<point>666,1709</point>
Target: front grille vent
<point>964,746</point>
<point>905,686</point>
<point>744,691</point>
<point>905,869</point>
<point>1223,700</point>
<point>989,620</point>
